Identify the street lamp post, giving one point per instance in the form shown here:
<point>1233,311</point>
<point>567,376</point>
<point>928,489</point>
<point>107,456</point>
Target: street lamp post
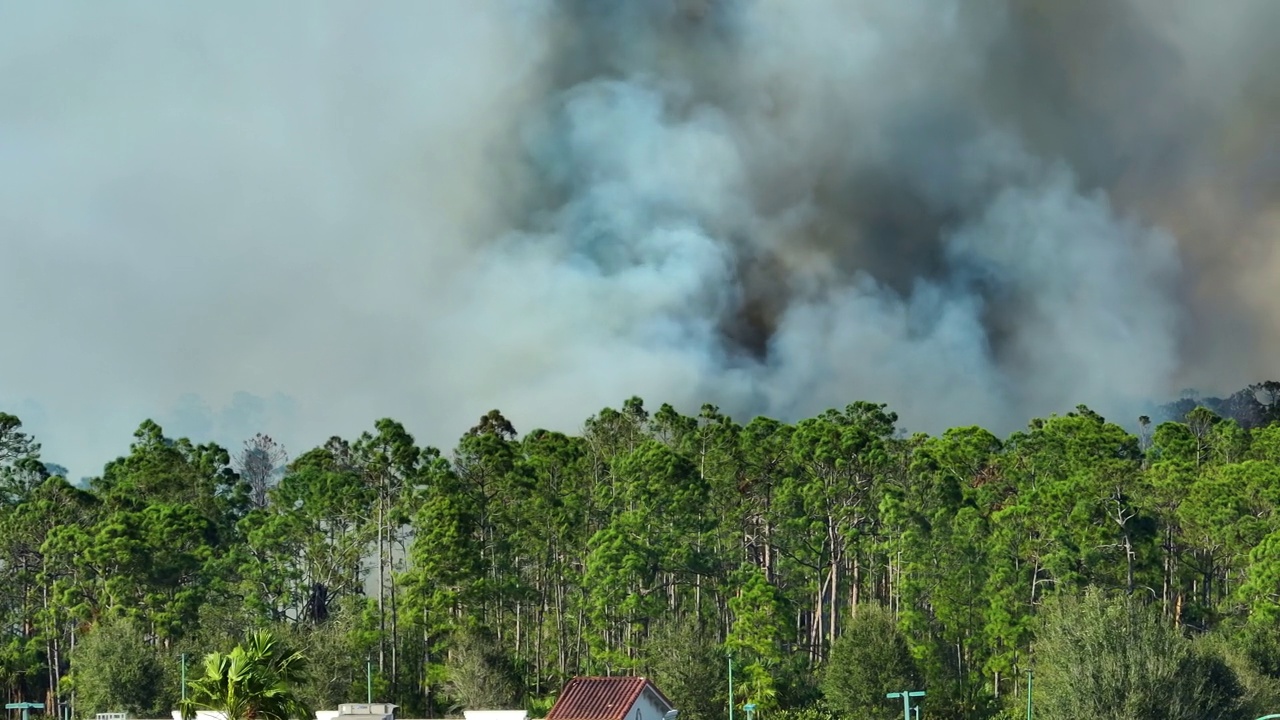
<point>730,655</point>
<point>1028,693</point>
<point>184,676</point>
<point>906,696</point>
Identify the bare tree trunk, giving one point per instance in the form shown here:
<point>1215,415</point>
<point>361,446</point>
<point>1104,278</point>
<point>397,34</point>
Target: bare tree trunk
<point>426,661</point>
<point>888,585</point>
<point>1168,573</point>
<point>382,615</point>
<point>819,620</point>
<point>537,639</point>
<point>577,643</point>
<point>833,623</point>
<point>697,597</point>
<point>562,648</point>
<point>768,551</point>
<point>51,647</point>
<point>395,634</point>
<point>856,583</point>
<point>1128,554</point>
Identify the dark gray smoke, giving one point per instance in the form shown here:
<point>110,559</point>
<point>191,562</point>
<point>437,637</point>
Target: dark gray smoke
<point>842,200</point>
<point>974,210</point>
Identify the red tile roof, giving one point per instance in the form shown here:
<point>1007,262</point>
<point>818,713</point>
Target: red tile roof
<point>600,698</point>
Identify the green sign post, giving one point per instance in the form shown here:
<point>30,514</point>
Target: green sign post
<point>1028,694</point>
<point>906,696</point>
<point>730,656</point>
<point>24,707</point>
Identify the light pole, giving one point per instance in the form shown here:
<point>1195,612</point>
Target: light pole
<point>184,677</point>
<point>1028,693</point>
<point>906,696</point>
<point>730,655</point>
<point>368,679</point>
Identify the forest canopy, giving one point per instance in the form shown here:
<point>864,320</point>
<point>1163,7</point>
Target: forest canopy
<point>821,555</point>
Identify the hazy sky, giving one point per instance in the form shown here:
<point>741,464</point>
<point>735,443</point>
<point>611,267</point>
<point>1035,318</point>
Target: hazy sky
<point>214,198</point>
<point>298,217</point>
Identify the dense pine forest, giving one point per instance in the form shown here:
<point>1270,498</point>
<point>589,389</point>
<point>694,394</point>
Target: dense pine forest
<point>828,558</point>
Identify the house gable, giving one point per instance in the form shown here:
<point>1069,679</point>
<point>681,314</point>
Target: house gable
<point>650,705</point>
<point>610,698</point>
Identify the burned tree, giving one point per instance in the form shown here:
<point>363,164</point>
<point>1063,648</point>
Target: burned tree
<point>260,464</point>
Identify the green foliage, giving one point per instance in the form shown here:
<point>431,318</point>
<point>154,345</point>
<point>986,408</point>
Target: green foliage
<point>655,543</point>
<point>114,669</point>
<point>20,468</point>
<point>814,711</point>
<point>336,657</point>
<point>755,639</point>
<point>256,679</point>
<point>684,660</point>
<point>1103,657</point>
<point>1249,656</point>
<point>539,707</point>
<point>868,661</point>
<point>480,674</point>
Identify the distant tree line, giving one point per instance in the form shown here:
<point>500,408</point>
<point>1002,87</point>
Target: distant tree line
<point>834,558</point>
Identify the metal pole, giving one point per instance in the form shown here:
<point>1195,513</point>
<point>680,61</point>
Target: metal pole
<point>730,687</point>
<point>24,707</point>
<point>368,671</point>
<point>906,696</point>
<point>184,676</point>
<point>1028,694</point>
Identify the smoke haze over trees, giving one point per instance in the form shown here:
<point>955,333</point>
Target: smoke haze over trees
<point>260,218</point>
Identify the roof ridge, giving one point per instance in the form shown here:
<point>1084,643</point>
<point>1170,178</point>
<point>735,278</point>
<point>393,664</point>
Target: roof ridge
<point>607,697</point>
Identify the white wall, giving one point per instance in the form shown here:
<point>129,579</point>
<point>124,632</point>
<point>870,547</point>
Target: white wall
<point>202,715</point>
<point>648,707</point>
<point>495,715</point>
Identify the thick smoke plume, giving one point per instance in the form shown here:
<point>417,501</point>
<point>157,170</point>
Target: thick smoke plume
<point>974,210</point>
<point>939,205</point>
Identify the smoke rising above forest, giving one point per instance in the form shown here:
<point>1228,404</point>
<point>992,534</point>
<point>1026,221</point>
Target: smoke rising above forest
<point>974,211</point>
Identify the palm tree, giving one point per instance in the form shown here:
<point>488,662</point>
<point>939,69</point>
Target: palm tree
<point>252,682</point>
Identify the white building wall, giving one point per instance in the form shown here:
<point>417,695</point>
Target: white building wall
<point>202,715</point>
<point>648,707</point>
<point>495,715</point>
